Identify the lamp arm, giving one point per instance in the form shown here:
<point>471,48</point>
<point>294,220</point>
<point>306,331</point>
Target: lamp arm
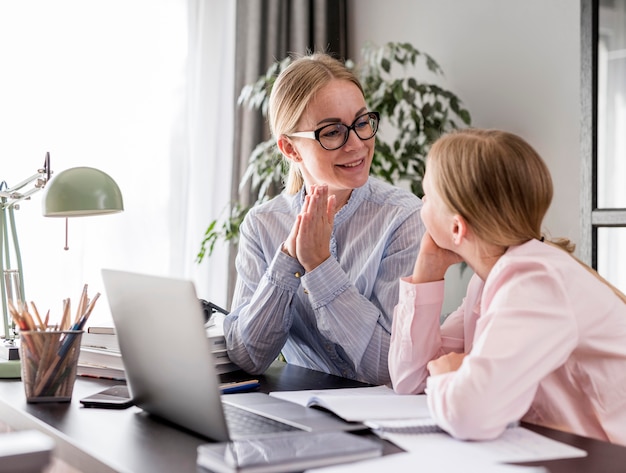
<point>16,249</point>
<point>25,182</point>
<point>10,197</point>
<point>4,248</point>
<point>5,263</point>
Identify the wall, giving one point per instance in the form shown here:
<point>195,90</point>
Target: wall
<point>515,65</point>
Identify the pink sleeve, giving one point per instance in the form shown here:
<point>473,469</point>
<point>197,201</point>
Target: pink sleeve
<point>415,334</point>
<point>525,332</point>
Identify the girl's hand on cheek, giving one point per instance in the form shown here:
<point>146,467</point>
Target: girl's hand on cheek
<point>432,261</point>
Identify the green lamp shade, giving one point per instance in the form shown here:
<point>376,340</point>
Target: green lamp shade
<point>82,191</point>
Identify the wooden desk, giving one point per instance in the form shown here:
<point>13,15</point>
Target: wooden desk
<point>101,440</point>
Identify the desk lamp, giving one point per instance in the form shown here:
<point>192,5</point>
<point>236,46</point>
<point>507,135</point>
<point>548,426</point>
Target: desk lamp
<point>79,191</point>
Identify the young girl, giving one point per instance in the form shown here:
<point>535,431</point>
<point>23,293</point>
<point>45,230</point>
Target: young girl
<point>319,265</point>
<point>539,336</point>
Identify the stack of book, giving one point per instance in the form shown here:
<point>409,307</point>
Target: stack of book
<point>215,332</point>
<point>100,355</point>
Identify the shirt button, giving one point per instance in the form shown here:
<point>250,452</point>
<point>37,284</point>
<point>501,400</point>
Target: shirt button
<point>297,274</point>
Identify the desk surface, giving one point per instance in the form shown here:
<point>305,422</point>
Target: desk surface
<point>101,440</point>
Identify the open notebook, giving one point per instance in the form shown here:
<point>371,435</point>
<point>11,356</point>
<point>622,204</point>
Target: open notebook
<point>405,420</point>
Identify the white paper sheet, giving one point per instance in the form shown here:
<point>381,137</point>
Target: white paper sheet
<point>437,461</point>
<point>516,444</point>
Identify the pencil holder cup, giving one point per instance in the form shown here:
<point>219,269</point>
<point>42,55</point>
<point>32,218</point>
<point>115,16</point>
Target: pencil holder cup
<point>49,362</point>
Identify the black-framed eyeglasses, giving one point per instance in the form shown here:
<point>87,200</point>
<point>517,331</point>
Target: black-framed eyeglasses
<point>335,135</point>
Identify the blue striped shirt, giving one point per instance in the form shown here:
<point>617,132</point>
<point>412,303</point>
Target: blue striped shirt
<point>336,318</point>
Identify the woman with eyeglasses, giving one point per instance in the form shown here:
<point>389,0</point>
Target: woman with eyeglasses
<point>319,265</point>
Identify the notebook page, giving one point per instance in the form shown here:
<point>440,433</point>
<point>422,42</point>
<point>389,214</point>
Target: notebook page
<point>361,404</point>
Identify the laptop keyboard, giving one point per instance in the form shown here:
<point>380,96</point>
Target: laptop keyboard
<point>245,422</point>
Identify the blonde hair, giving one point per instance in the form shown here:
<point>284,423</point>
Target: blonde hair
<point>499,184</point>
<point>291,93</point>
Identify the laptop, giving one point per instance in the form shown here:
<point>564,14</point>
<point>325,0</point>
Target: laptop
<point>170,371</point>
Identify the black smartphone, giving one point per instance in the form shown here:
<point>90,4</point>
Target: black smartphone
<point>115,397</point>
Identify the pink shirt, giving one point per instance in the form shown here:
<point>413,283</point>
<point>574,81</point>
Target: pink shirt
<point>546,342</point>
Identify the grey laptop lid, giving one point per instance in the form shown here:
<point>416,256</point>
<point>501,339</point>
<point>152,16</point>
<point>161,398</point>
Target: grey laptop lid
<point>168,361</point>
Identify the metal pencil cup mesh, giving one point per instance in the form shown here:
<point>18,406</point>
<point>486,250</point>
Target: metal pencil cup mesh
<point>49,362</point>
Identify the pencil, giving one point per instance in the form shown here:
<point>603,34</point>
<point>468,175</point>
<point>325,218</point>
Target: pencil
<point>239,386</point>
<point>39,321</point>
<point>50,360</point>
<point>82,305</point>
<point>66,314</point>
<point>83,318</point>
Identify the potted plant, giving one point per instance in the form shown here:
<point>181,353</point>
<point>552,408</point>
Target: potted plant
<point>413,114</point>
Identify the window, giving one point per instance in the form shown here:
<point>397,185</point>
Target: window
<point>603,143</point>
<point>129,87</point>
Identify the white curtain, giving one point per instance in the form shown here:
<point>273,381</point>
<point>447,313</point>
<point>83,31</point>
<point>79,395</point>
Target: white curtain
<point>141,89</point>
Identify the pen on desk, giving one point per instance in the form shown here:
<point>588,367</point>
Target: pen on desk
<point>239,386</point>
<point>99,376</point>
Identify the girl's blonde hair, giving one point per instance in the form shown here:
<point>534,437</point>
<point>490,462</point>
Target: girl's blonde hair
<point>499,184</point>
<point>291,93</point>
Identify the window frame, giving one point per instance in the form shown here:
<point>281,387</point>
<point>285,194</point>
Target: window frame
<point>592,217</point>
